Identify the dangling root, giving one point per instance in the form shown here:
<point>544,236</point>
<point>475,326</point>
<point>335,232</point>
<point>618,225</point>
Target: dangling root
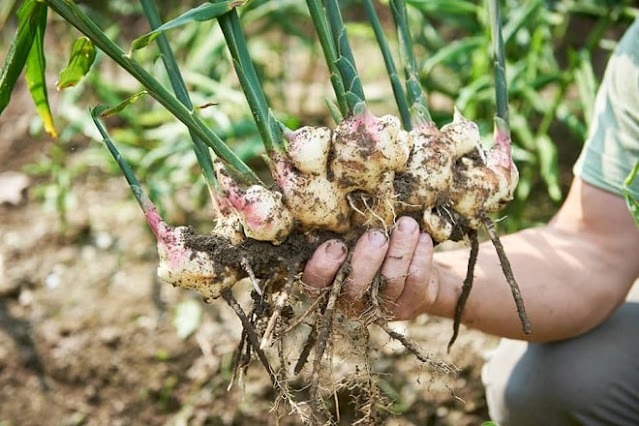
<point>326,322</point>
<point>249,270</point>
<point>306,350</point>
<point>508,273</point>
<point>227,294</point>
<point>466,287</point>
<point>240,361</point>
<point>382,322</point>
<point>277,311</point>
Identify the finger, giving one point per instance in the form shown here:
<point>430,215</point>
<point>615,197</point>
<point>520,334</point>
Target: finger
<point>419,288</point>
<point>321,269</point>
<point>368,256</point>
<point>396,266</point>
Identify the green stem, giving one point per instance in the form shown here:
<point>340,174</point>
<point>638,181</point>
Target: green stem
<point>136,188</point>
<point>179,87</point>
<point>499,66</point>
<point>73,15</point>
<point>398,90</point>
<point>327,43</point>
<point>268,127</point>
<point>416,95</point>
<point>345,59</point>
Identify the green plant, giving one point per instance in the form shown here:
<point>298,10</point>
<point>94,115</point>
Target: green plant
<point>633,204</point>
<point>551,91</point>
<point>364,173</point>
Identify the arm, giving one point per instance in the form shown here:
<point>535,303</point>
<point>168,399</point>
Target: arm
<point>572,273</point>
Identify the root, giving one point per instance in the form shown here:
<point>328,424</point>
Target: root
<point>367,208</point>
<point>306,313</point>
<point>249,270</point>
<point>376,216</point>
<point>508,273</point>
<point>277,311</point>
<point>351,202</point>
<point>466,287</point>
<point>326,322</point>
<point>227,294</point>
<point>382,322</point>
<point>369,410</point>
<point>239,361</point>
<point>306,350</point>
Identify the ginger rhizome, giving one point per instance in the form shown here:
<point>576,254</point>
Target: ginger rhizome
<point>364,173</point>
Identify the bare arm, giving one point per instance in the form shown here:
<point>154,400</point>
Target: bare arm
<point>572,273</point>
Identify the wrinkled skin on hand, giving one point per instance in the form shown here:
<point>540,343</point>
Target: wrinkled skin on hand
<point>405,260</point>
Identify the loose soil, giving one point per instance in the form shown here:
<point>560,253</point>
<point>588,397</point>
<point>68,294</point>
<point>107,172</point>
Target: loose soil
<point>86,334</point>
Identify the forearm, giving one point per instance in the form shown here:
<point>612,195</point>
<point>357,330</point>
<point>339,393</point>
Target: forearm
<point>572,273</point>
<point>566,287</point>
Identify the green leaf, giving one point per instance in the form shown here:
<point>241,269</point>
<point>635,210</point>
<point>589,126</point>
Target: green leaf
<point>82,57</point>
<point>548,166</point>
<point>586,84</point>
<point>104,111</point>
<point>445,6</point>
<point>452,52</point>
<point>71,13</point>
<point>35,67</point>
<point>29,15</point>
<point>187,317</point>
<point>633,204</point>
<point>204,12</point>
<point>520,16</point>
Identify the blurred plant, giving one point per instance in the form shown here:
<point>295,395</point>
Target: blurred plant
<point>157,146</point>
<point>549,89</point>
<point>551,81</point>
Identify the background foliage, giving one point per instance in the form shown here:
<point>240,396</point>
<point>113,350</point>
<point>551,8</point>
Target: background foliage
<point>555,53</point>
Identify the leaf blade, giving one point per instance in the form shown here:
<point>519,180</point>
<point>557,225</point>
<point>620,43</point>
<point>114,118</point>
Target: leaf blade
<point>82,57</point>
<point>204,12</point>
<point>18,51</point>
<point>633,205</point>
<point>35,71</point>
<point>106,111</point>
<point>549,166</point>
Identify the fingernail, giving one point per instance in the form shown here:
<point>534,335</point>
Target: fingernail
<point>377,238</point>
<point>335,250</point>
<point>407,225</point>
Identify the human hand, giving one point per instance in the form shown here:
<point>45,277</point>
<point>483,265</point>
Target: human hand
<point>405,260</point>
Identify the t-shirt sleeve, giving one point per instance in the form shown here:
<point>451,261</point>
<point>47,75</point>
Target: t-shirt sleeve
<point>612,147</point>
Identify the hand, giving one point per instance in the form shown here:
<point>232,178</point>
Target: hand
<point>406,266</point>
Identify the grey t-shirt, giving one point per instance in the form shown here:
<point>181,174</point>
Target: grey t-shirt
<point>612,147</point>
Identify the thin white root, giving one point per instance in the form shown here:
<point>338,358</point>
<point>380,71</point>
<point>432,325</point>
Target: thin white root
<point>249,270</point>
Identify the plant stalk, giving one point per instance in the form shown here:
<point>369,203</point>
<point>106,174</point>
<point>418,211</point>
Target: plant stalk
<point>416,95</point>
<point>318,16</point>
<point>179,88</point>
<point>70,12</point>
<point>345,59</point>
<point>398,90</point>
<point>139,194</point>
<point>267,125</point>
<point>499,63</point>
